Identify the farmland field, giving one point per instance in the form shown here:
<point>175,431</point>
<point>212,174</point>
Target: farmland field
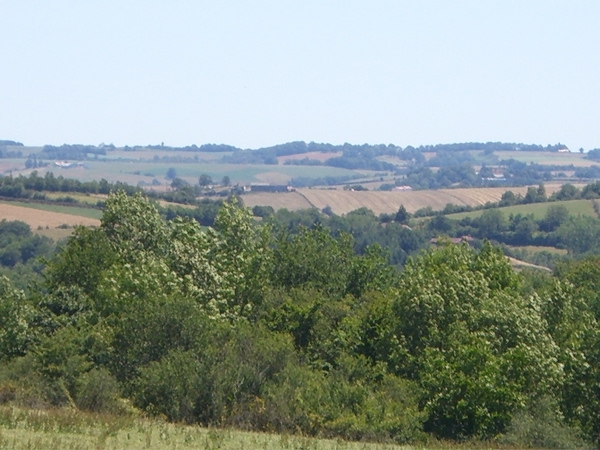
<point>291,201</point>
<point>342,202</point>
<point>319,156</point>
<point>150,154</point>
<point>134,172</point>
<point>552,158</point>
<point>90,199</point>
<point>575,207</point>
<point>10,165</point>
<point>51,216</point>
<point>75,211</point>
<point>537,249</point>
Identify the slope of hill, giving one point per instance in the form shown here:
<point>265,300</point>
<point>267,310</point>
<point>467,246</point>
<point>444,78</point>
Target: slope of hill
<point>342,202</point>
<point>575,208</point>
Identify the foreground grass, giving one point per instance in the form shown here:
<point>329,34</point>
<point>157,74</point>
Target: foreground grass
<point>70,429</point>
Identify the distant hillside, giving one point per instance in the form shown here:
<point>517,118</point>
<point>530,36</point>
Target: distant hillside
<point>344,201</point>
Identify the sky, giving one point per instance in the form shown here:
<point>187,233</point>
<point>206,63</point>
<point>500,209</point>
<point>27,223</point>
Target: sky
<point>256,73</point>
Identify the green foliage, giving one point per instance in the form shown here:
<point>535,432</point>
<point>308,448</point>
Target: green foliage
<point>566,192</point>
<point>20,252</point>
<point>402,216</point>
<point>540,425</point>
<point>216,384</point>
<point>308,329</point>
<point>313,259</point>
<point>16,317</point>
<point>97,391</point>
<point>476,347</point>
<point>580,235</point>
<point>171,387</point>
<point>147,331</point>
<point>556,215</point>
<point>171,173</point>
<point>242,255</point>
<point>574,315</point>
<point>205,180</point>
<point>133,224</point>
<point>315,403</point>
<point>491,224</point>
<point>81,262</point>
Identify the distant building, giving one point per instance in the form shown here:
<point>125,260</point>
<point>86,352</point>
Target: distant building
<point>66,164</point>
<point>403,188</point>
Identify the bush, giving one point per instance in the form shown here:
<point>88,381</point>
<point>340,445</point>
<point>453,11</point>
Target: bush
<point>335,404</point>
<point>97,391</point>
<point>540,425</point>
<point>215,385</point>
<point>171,387</point>
<point>22,384</point>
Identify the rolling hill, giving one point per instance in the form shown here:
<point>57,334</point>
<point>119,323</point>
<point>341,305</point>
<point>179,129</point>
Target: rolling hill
<point>342,202</point>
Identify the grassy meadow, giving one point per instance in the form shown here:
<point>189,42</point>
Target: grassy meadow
<point>63,429</point>
<point>70,429</point>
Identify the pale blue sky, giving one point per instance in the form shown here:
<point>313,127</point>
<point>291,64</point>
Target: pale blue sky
<point>258,73</point>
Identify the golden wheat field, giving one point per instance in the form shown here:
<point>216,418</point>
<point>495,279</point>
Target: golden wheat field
<point>342,202</point>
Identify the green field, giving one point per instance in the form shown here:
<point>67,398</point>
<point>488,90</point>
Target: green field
<point>134,172</point>
<point>575,207</point>
<point>150,154</point>
<point>73,210</point>
<point>551,158</point>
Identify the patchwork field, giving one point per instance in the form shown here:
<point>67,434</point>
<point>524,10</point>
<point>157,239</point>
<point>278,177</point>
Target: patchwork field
<point>342,202</point>
<point>134,172</point>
